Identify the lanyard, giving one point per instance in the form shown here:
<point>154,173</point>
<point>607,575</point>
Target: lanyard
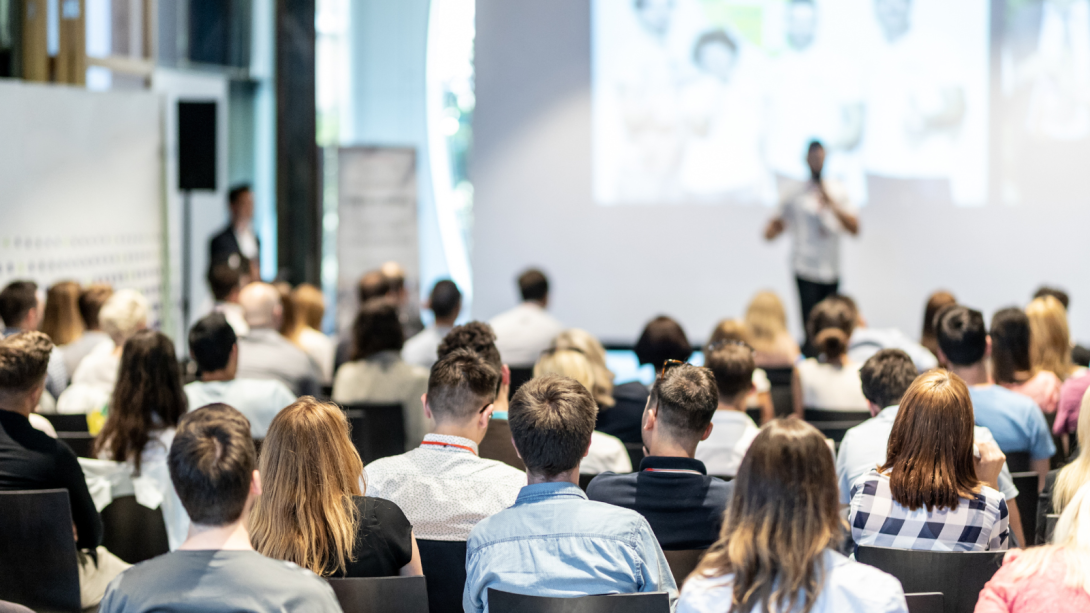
<point>440,444</point>
<point>673,470</point>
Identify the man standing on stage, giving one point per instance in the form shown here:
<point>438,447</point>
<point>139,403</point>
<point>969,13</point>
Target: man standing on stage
<point>816,214</point>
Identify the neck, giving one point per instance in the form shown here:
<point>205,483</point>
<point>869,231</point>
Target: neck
<point>466,430</point>
<point>974,374</point>
<point>22,404</point>
<point>231,537</point>
<point>570,476</point>
<point>223,374</point>
<point>444,323</point>
<point>738,403</point>
<point>667,447</point>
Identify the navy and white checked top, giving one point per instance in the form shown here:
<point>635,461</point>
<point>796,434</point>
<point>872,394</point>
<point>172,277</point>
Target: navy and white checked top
<point>979,523</point>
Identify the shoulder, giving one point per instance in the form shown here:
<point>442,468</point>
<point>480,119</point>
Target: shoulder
<point>385,511</point>
<point>607,486</point>
<point>869,484</point>
<point>861,583</point>
<point>705,594</point>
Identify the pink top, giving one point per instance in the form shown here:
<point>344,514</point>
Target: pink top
<point>1067,415</point>
<point>1044,388</point>
<point>1044,592</point>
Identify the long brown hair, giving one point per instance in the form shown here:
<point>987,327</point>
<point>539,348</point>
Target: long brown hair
<point>309,473</point>
<point>148,396</point>
<point>62,321</point>
<point>1011,346</point>
<point>782,518</point>
<point>929,458</point>
<point>935,303</point>
<point>830,325</point>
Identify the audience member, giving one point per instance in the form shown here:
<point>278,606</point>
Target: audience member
<point>760,397</point>
<point>1077,473</point>
<point>1050,342</point>
<point>620,407</point>
<point>523,332</point>
<point>408,311</point>
<point>445,303</point>
<point>866,341</point>
<point>553,541</point>
<point>124,314</point>
<point>672,490</point>
<point>1079,355</point>
<point>777,548</point>
<point>90,303</point>
<point>214,347</point>
<point>935,303</point>
<point>372,285</point>
<point>1050,578</point>
<point>443,486</point>
<point>308,309</point>
<point>1011,365</point>
<point>766,322</point>
<point>377,373</point>
<point>225,281</point>
<point>1014,420</point>
<point>238,243</point>
<point>312,510</point>
<point>213,466</point>
<point>733,431</point>
<point>21,310</point>
<point>607,453</point>
<point>1067,409</point>
<point>61,321</point>
<point>831,380</point>
<point>264,353</point>
<point>931,489</point>
<point>662,339</point>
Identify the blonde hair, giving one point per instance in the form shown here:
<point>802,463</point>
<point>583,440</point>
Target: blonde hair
<point>124,313</point>
<point>1077,473</point>
<point>1050,342</point>
<point>602,387</point>
<point>62,321</point>
<point>730,330</point>
<point>766,320</point>
<point>570,363</point>
<point>309,305</point>
<point>310,472</point>
<point>1071,541</point>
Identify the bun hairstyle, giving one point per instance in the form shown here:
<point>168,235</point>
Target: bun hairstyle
<point>830,326</point>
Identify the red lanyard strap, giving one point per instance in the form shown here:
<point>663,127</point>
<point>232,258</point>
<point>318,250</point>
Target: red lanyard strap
<point>466,447</point>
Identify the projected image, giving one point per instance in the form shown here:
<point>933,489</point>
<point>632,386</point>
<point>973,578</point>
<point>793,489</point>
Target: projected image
<point>715,101</point>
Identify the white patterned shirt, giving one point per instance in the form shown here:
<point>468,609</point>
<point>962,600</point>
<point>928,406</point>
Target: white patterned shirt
<point>443,487</point>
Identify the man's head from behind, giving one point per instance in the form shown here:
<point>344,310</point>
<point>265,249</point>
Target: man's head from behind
<point>213,465</point>
<point>963,339</point>
<point>19,305</point>
<point>373,284</point>
<point>212,342</point>
<point>534,286</point>
<point>91,301</point>
<point>461,385</point>
<point>24,358</point>
<point>225,281</point>
<point>261,305</point>
<point>478,337</point>
<point>732,366</point>
<point>552,418</point>
<point>445,301</point>
<point>886,376</point>
<point>680,409</point>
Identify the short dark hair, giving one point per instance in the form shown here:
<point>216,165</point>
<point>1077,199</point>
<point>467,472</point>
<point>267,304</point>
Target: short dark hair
<point>212,460</point>
<point>713,37</point>
<point>210,342</point>
<point>886,376</point>
<point>223,279</point>
<point>16,300</point>
<point>91,300</point>
<point>552,418</point>
<point>533,285</point>
<point>662,339</point>
<point>460,384</point>
<point>476,336</point>
<point>373,284</point>
<point>830,325</point>
<point>236,192</point>
<point>445,298</point>
<point>1010,344</point>
<point>962,335</point>
<point>732,365</point>
<point>24,359</point>
<point>814,144</point>
<point>377,328</point>
<point>1055,292</point>
<point>686,397</point>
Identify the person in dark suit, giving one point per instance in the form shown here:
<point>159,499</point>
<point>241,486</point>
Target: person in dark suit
<point>238,242</point>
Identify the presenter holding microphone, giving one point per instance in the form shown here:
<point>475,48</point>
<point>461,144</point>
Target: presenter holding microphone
<point>816,214</point>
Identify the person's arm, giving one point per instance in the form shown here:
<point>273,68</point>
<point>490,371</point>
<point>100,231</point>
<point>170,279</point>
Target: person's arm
<point>1015,518</point>
<point>768,412</point>
<point>1041,468</point>
<point>473,594</point>
<point>999,539</point>
<point>413,568</point>
<point>774,228</point>
<point>796,392</point>
<point>84,514</point>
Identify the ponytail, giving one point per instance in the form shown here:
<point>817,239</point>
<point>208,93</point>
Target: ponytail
<point>832,342</point>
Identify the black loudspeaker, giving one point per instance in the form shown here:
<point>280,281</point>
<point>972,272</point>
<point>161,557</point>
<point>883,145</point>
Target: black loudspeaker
<point>196,145</point>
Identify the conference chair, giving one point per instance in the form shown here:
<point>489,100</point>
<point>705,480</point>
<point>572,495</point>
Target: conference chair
<point>518,377</point>
<point>444,564</point>
<point>1050,526</point>
<point>132,531</point>
<point>1044,506</point>
<point>755,415</point>
<point>927,602</point>
<point>38,567</point>
<point>1018,462</point>
<point>959,576</point>
<point>635,453</point>
<point>783,402</point>
<point>72,429</point>
<point>1027,503</point>
<point>378,430</point>
<point>584,480</point>
<point>683,562</point>
<point>386,594</point>
<point>497,445</point>
<point>815,416</point>
<point>650,602</point>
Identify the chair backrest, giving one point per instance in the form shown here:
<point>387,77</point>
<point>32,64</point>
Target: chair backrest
<point>378,430</point>
<point>755,415</point>
<point>783,401</point>
<point>927,602</point>
<point>386,594</point>
<point>1044,506</point>
<point>635,453</point>
<point>1027,501</point>
<point>497,445</point>
<point>1018,461</point>
<point>518,377</point>
<point>959,576</point>
<point>132,531</point>
<point>651,602</point>
<point>585,479</point>
<point>444,564</point>
<point>72,429</point>
<point>1050,525</point>
<point>682,562</point>
<point>819,415</point>
<point>38,567</point>
<point>835,430</point>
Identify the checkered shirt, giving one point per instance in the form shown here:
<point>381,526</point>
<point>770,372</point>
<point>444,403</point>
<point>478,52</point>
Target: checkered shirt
<point>979,523</point>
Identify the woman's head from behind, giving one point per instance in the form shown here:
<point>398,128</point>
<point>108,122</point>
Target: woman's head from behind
<point>125,312</point>
<point>765,317</point>
<point>1050,342</point>
<point>935,303</point>
<point>1011,336</point>
<point>568,362</point>
<point>309,305</point>
<point>574,338</point>
<point>377,328</point>
<point>662,339</point>
<point>62,321</point>
<point>729,330</point>
<point>830,326</point>
<point>1077,473</point>
<point>309,473</point>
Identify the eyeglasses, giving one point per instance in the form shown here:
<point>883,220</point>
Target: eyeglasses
<point>552,350</point>
<point>485,407</point>
<point>668,364</point>
<point>728,343</point>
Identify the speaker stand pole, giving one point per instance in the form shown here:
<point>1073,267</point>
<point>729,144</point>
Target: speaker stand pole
<point>187,256</point>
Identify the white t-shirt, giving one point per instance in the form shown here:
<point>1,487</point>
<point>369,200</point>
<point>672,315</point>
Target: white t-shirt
<point>321,349</point>
<point>523,332</point>
<point>607,453</point>
<point>831,387</point>
<point>723,450</point>
<point>815,230</point>
<point>258,399</point>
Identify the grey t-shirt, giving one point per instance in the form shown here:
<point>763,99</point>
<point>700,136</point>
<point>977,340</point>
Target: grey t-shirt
<point>213,581</point>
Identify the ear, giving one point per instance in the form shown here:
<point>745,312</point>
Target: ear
<point>650,418</point>
<point>874,409</point>
<point>427,409</point>
<point>507,376</point>
<point>942,357</point>
<point>988,346</point>
<point>587,452</point>
<point>752,389</point>
<point>255,484</point>
<point>516,447</point>
<point>485,417</point>
<point>707,432</point>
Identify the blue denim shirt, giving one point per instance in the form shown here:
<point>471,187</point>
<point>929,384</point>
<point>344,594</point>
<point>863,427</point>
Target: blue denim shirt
<point>555,542</point>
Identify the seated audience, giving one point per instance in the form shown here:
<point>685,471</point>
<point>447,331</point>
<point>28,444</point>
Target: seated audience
<point>766,322</point>
<point>61,321</point>
<point>935,303</point>
<point>523,332</point>
<point>662,339</point>
<point>443,487</point>
<point>778,545</point>
<point>1067,409</point>
<point>1077,473</point>
<point>21,310</point>
<point>377,373</point>
<point>831,380</point>
<point>1051,578</point>
<point>867,341</point>
<point>264,353</point>
<point>1014,420</point>
<point>214,347</point>
<point>225,282</point>
<point>1080,355</point>
<point>607,453</point>
<point>445,303</point>
<point>213,466</point>
<point>308,309</point>
<point>553,541</point>
<point>408,310</point>
<point>312,510</point>
<point>1011,365</point>
<point>620,407</point>
<point>886,376</point>
<point>931,490</point>
<point>672,490</point>
<point>373,284</point>
<point>760,397</point>
<point>90,303</point>
<point>124,314</point>
<point>1050,341</point>
<point>732,430</point>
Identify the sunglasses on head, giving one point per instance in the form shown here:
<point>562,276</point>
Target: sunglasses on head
<point>727,343</point>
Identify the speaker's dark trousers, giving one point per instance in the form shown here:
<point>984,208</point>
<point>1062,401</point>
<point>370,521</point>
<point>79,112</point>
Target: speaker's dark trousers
<point>811,293</point>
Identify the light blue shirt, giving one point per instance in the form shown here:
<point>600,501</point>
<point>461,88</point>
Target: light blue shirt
<point>864,447</point>
<point>1015,420</point>
<point>555,542</point>
<point>258,399</point>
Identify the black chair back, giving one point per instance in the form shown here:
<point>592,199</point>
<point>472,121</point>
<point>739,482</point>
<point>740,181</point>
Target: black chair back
<point>378,430</point>
<point>444,564</point>
<point>1044,507</point>
<point>928,602</point>
<point>1027,504</point>
<point>518,377</point>
<point>38,567</point>
<point>72,429</point>
<point>651,602</point>
<point>819,415</point>
<point>959,576</point>
<point>497,444</point>
<point>584,480</point>
<point>386,594</point>
<point>682,562</point>
<point>1018,462</point>
<point>1050,526</point>
<point>835,430</point>
<point>783,401</point>
<point>635,453</point>
<point>755,415</point>
<point>132,531</point>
